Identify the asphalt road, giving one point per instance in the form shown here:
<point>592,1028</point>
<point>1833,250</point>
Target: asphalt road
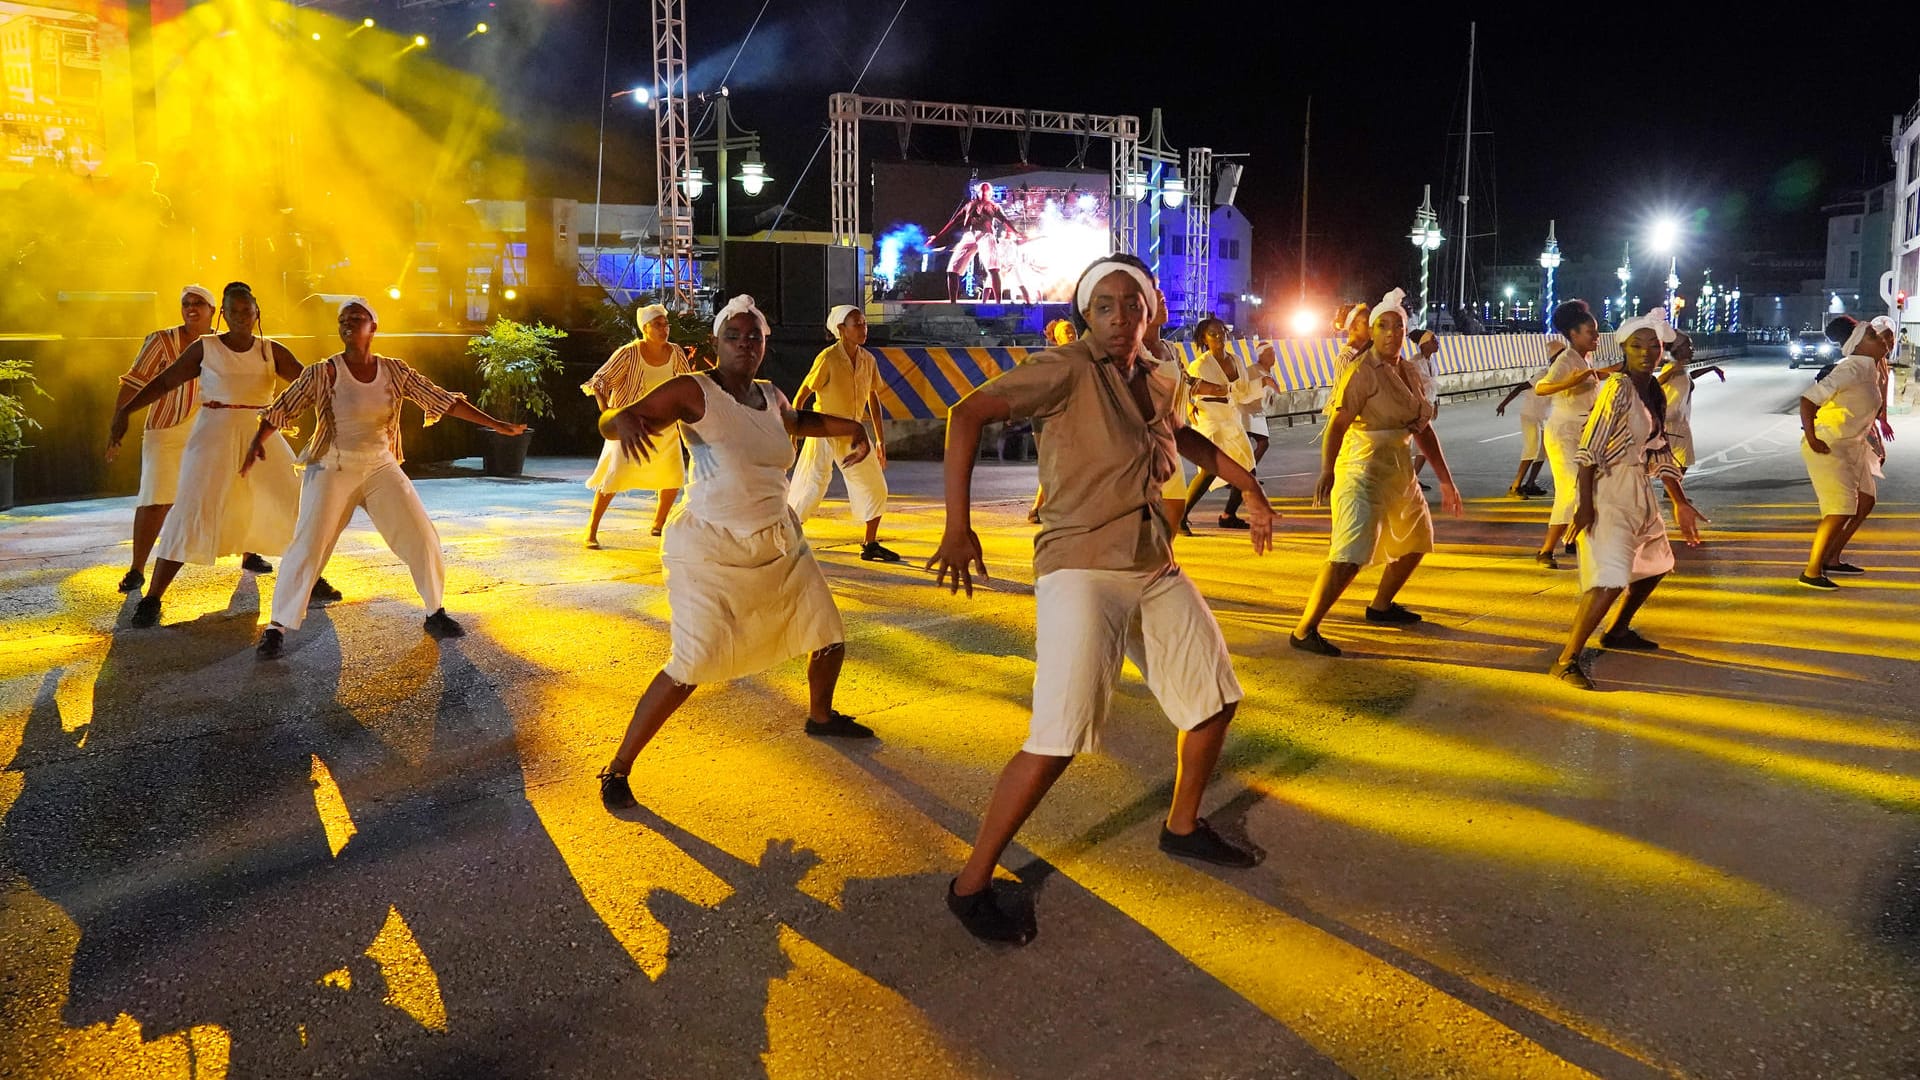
<point>386,857</point>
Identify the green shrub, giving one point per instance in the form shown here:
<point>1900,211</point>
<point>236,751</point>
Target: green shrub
<point>514,360</point>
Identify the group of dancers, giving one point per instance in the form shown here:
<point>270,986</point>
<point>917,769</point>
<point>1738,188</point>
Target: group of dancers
<point>1113,411</point>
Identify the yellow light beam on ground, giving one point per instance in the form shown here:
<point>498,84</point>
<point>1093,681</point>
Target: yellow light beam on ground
<point>412,987</point>
<point>332,807</point>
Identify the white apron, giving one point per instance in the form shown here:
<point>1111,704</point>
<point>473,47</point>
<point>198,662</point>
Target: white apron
<point>1378,511</point>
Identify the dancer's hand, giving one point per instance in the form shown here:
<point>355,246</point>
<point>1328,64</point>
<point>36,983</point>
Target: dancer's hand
<point>1323,488</point>
<point>1260,521</point>
<point>116,433</point>
<point>1886,429</point>
<point>255,452</point>
<point>862,446</point>
<point>1690,519</point>
<point>1450,500</point>
<point>1500,409</point>
<point>630,431</point>
<point>957,551</point>
<point>1815,444</point>
<point>1582,520</point>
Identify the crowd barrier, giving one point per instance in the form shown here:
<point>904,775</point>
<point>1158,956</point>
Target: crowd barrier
<point>923,383</point>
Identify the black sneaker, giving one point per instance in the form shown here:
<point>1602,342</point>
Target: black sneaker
<point>1395,614</point>
<point>983,918</point>
<point>255,563</point>
<point>1186,527</point>
<point>1313,643</point>
<point>1546,560</point>
<point>1533,489</point>
<point>1627,639</point>
<point>1572,548</point>
<point>1843,568</point>
<point>1207,846</point>
<point>1234,523</point>
<point>133,581</point>
<point>323,593</point>
<point>873,552</point>
<point>1573,674</point>
<point>1823,583</point>
<point>615,793</point>
<point>146,612</point>
<point>441,625</point>
<point>272,640</point>
<point>841,726</point>
<point>1519,493</point>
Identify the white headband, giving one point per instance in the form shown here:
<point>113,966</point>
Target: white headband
<point>837,316</point>
<point>359,302</point>
<point>1390,302</point>
<point>740,305</point>
<point>1655,320</point>
<point>1353,313</point>
<point>200,291</point>
<point>647,314</point>
<point>1860,332</point>
<point>1098,272</point>
<point>1881,324</point>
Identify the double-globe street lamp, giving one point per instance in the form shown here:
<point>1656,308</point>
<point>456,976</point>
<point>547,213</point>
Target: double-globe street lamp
<point>1550,261</point>
<point>1425,236</point>
<point>752,178</point>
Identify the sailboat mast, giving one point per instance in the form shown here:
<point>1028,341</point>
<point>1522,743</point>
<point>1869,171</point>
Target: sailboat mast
<point>1306,149</point>
<point>1466,168</point>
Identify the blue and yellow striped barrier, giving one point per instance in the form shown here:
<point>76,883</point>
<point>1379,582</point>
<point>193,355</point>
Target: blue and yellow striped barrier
<point>923,383</point>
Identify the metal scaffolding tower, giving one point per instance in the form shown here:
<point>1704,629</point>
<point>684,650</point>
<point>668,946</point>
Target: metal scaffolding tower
<point>673,153</point>
<point>1199,283</point>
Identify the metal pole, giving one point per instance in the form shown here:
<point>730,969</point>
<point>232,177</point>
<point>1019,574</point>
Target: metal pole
<point>600,158</point>
<point>1306,152</point>
<point>720,119</point>
<point>1466,165</point>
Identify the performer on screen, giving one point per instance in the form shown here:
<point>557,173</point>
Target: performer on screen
<point>979,221</point>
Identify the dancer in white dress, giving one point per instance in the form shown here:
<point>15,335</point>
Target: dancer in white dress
<point>1571,384</point>
<point>846,379</point>
<point>1835,416</point>
<point>1533,417</point>
<point>217,511</point>
<point>742,584</point>
<point>1623,537</point>
<point>169,421</point>
<point>1219,387</point>
<point>634,369</point>
<point>353,463</point>
<point>1426,365</point>
<point>1676,382</point>
<point>1366,472</point>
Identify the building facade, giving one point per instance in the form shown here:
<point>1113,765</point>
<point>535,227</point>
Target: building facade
<point>1903,220</point>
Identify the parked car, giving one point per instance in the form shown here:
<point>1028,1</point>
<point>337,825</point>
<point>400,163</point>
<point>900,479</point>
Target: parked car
<point>1810,347</point>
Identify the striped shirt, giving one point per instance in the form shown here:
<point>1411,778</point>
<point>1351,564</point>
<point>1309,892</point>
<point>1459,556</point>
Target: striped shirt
<point>157,354</point>
<point>314,390</point>
<point>626,376</point>
<point>1610,441</point>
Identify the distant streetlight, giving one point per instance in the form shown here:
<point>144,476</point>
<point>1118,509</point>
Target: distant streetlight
<point>420,41</point>
<point>753,174</point>
<point>1550,261</point>
<point>1664,239</point>
<point>641,96</point>
<point>1173,189</point>
<point>694,182</point>
<point>1425,236</point>
<point>1510,309</point>
<point>1304,322</point>
<point>1624,272</point>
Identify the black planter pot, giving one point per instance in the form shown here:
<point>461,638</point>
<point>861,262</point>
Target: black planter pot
<point>6,483</point>
<point>504,455</point>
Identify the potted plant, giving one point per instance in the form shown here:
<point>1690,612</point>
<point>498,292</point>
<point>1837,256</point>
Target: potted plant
<point>14,421</point>
<point>514,361</point>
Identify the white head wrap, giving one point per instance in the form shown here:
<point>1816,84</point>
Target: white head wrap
<point>647,314</point>
<point>1655,320</point>
<point>1881,324</point>
<point>740,305</point>
<point>200,291</point>
<point>360,302</point>
<point>1391,302</point>
<point>1860,332</point>
<point>1353,313</point>
<point>1098,272</point>
<point>837,316</point>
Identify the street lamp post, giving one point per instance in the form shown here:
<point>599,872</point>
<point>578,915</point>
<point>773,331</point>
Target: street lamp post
<point>1707,314</point>
<point>1510,308</point>
<point>1673,281</point>
<point>753,172</point>
<point>1550,261</point>
<point>1624,272</point>
<point>1425,236</point>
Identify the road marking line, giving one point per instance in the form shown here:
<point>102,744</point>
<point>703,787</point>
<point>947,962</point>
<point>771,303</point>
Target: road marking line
<point>1497,438</point>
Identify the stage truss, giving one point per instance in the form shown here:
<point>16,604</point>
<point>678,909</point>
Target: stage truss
<point>1199,259</point>
<point>846,112</point>
<point>673,151</point>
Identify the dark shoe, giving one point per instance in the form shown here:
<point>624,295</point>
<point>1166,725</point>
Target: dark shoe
<point>1234,523</point>
<point>1424,486</point>
<point>655,531</point>
<point>1033,517</point>
<point>441,625</point>
<point>1546,559</point>
<point>873,552</point>
<point>1395,614</point>
<point>146,612</point>
<point>255,563</point>
<point>1533,489</point>
<point>1313,643</point>
<point>1843,568</point>
<point>1207,846</point>
<point>1573,548</point>
<point>133,581</point>
<point>983,918</point>
<point>1518,493</point>
<point>1823,583</point>
<point>1186,527</point>
<point>841,726</point>
<point>272,640</point>
<point>323,593</point>
<point>615,793</point>
<point>1574,675</point>
<point>1628,639</point>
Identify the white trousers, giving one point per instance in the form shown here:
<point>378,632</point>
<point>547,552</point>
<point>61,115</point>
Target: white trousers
<point>330,491</point>
<point>866,481</point>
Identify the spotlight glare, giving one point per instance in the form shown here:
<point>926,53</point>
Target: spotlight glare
<point>367,23</point>
<point>1665,236</point>
<point>509,294</point>
<point>642,95</point>
<point>420,40</point>
<point>316,35</point>
<point>393,293</point>
<point>480,28</point>
<point>1304,322</point>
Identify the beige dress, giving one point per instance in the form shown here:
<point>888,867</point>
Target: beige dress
<point>217,511</point>
<point>625,378</point>
<point>1378,511</point>
<point>1566,419</point>
<point>742,583</point>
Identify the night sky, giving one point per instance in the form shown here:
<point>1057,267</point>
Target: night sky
<point>1745,125</point>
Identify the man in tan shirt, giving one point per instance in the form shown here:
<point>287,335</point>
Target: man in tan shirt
<point>1105,583</point>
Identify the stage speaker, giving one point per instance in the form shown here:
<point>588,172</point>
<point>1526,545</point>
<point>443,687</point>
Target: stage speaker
<point>112,314</point>
<point>753,267</point>
<point>1226,183</point>
<point>803,284</point>
<point>927,285</point>
<point>553,258</point>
